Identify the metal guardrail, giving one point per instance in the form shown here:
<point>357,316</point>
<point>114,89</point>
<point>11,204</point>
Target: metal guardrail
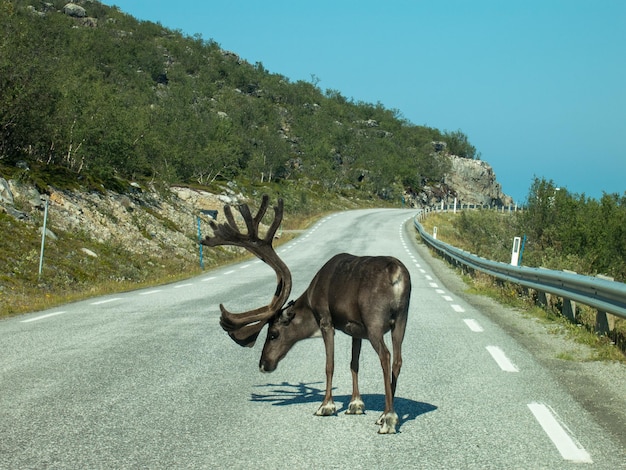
<point>603,295</point>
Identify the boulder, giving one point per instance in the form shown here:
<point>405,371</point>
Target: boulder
<point>34,198</point>
<point>29,193</point>
<point>19,215</point>
<point>49,234</point>
<point>88,252</point>
<point>75,11</point>
<point>6,196</point>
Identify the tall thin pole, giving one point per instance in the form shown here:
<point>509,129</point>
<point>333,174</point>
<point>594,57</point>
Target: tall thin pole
<point>200,244</point>
<point>43,237</point>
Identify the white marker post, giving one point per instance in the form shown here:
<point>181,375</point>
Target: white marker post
<point>43,238</point>
<point>517,243</point>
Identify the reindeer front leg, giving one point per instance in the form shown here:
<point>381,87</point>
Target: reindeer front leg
<point>328,407</point>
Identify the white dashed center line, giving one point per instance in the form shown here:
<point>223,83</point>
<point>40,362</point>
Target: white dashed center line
<point>473,325</point>
<point>498,355</point>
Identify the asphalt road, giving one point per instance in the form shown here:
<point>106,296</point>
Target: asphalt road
<point>147,379</point>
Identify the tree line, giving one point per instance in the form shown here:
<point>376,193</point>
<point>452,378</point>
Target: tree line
<point>563,230</point>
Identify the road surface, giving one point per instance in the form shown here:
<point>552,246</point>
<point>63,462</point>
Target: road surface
<point>147,379</point>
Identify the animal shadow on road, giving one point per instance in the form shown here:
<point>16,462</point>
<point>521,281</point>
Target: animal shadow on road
<point>285,394</point>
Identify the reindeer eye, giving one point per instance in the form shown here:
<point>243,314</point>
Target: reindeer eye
<point>273,335</point>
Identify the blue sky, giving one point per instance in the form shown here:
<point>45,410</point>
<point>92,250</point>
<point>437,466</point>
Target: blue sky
<point>539,86</point>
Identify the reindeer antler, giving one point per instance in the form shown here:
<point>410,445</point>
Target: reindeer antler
<point>244,328</point>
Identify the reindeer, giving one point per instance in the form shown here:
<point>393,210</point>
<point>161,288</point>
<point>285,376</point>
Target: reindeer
<point>365,297</point>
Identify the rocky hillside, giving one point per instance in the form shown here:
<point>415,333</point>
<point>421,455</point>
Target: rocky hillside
<point>101,239</point>
<point>145,220</point>
<point>142,220</point>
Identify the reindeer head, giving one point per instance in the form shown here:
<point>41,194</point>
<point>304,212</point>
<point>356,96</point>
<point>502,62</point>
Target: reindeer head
<point>293,323</point>
<point>244,328</point>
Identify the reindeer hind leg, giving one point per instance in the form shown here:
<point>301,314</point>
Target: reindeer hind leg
<point>389,419</point>
<point>397,336</point>
<point>356,405</point>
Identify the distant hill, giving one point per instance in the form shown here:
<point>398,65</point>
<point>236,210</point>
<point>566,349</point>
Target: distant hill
<point>98,96</point>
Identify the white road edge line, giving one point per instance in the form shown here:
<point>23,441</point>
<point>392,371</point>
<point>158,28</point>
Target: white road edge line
<point>106,301</point>
<point>48,315</point>
<point>457,308</point>
<point>498,355</point>
<point>150,292</point>
<point>558,433</point>
<point>179,286</point>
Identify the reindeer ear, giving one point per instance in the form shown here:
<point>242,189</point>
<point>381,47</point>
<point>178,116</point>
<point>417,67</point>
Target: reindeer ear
<point>287,314</point>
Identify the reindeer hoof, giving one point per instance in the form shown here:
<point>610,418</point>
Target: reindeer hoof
<point>356,407</point>
<point>327,409</point>
<point>387,423</point>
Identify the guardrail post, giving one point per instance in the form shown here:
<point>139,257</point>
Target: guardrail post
<point>569,309</point>
<point>602,323</point>
<point>569,306</point>
<point>605,322</point>
<point>542,298</point>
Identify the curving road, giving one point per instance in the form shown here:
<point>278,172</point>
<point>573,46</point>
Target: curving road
<point>147,379</point>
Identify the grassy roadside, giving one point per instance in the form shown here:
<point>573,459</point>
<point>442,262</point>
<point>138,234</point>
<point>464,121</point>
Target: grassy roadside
<point>70,275</point>
<point>511,295</point>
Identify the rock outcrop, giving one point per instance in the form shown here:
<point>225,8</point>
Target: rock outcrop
<point>474,182</point>
<point>471,182</point>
